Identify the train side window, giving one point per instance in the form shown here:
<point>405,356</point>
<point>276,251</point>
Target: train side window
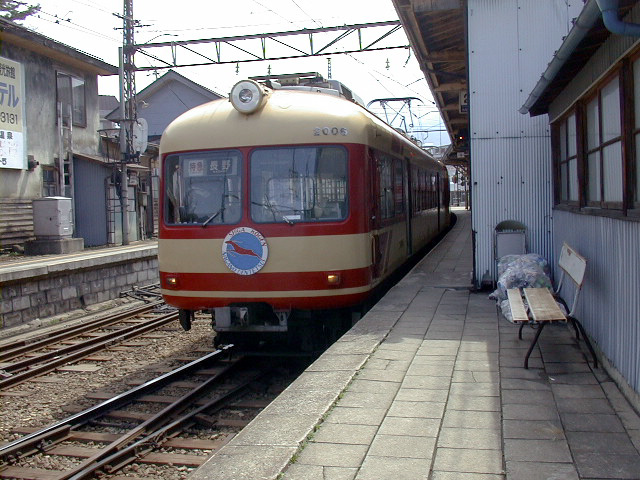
<point>299,184</point>
<point>203,188</point>
<point>386,186</point>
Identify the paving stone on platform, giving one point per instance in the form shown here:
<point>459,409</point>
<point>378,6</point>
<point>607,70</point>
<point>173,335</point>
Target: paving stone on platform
<point>584,405</point>
<point>343,433</point>
<point>471,403</point>
<point>417,409</point>
<point>601,443</point>
<point>468,461</point>
<point>604,466</point>
<point>416,427</point>
<point>385,468</point>
<point>332,455</point>
<point>471,419</point>
<point>583,422</point>
<point>514,411</point>
<point>528,450</point>
<point>402,446</point>
<point>541,471</point>
<point>318,472</point>
<point>470,438</point>
<point>464,476</point>
<point>356,416</point>
<point>533,429</point>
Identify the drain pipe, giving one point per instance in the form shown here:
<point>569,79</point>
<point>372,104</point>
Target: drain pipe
<point>609,9</point>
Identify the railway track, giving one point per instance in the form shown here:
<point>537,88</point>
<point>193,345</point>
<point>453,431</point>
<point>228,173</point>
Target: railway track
<point>151,424</point>
<point>25,359</point>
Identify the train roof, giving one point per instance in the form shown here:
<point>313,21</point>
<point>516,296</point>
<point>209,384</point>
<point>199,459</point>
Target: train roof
<point>299,113</point>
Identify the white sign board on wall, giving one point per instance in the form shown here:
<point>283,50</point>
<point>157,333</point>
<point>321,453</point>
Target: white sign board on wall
<point>12,121</point>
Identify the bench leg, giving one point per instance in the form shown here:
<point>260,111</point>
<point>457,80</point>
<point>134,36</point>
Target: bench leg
<point>577,325</point>
<point>520,330</point>
<point>575,328</point>
<point>533,344</point>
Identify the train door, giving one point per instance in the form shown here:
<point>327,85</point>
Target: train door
<point>438,199</point>
<point>377,247</point>
<point>407,205</point>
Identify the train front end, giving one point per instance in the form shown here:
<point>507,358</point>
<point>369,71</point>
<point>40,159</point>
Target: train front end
<point>262,210</point>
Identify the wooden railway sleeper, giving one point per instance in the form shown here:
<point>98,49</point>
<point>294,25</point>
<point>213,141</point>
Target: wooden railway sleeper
<point>60,430</point>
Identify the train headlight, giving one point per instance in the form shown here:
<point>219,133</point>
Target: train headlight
<point>171,282</point>
<point>247,96</point>
<point>334,279</point>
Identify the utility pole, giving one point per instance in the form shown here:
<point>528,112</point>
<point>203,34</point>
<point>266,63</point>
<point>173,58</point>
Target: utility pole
<point>128,112</point>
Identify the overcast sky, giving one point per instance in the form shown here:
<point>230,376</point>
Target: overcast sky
<point>91,26</point>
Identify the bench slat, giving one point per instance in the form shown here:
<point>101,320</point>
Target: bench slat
<point>542,305</point>
<point>518,311</point>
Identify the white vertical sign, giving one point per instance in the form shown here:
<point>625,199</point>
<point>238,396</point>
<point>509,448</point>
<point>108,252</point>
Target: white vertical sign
<point>12,121</point>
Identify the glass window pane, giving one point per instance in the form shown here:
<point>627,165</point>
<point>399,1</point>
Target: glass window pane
<point>386,187</point>
<point>637,186</point>
<point>203,188</point>
<point>63,94</point>
<point>563,141</point>
<point>563,182</point>
<point>303,184</point>
<point>571,136</point>
<point>612,165</point>
<point>398,187</point>
<point>636,90</point>
<point>593,186</point>
<point>593,135</point>
<point>611,121</point>
<point>573,179</point>
<point>79,112</point>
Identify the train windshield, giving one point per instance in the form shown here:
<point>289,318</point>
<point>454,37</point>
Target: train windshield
<point>203,188</point>
<point>301,184</point>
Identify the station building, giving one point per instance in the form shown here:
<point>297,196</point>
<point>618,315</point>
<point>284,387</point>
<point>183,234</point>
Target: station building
<point>49,116</point>
<point>542,101</point>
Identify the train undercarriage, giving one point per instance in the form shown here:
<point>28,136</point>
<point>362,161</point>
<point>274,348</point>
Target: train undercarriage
<point>257,324</point>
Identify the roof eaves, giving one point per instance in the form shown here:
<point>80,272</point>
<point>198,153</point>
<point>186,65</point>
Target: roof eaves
<point>584,23</point>
<point>36,41</point>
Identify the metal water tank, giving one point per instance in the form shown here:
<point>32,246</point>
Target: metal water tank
<point>52,217</point>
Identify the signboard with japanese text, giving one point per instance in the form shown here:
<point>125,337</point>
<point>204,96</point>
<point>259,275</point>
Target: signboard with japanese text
<point>12,121</point>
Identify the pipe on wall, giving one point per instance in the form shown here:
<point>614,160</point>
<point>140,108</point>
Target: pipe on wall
<point>609,9</point>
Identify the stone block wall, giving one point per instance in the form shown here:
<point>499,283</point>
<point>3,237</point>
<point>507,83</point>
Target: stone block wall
<point>27,294</point>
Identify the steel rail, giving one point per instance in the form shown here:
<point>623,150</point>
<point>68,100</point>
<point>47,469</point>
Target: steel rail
<point>151,441</point>
<point>28,362</point>
<point>41,439</point>
<point>25,346</point>
<point>75,352</point>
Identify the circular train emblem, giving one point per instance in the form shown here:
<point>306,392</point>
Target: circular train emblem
<point>244,250</point>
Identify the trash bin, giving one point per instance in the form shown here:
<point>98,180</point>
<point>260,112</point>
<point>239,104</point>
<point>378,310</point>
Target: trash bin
<point>510,239</point>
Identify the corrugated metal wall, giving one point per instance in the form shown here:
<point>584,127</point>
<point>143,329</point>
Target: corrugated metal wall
<point>609,306</point>
<point>510,44</point>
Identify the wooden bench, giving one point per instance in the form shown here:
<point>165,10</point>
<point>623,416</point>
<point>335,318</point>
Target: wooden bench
<point>542,306</point>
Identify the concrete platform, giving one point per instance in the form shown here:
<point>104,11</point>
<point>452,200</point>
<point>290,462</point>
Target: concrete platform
<point>430,384</point>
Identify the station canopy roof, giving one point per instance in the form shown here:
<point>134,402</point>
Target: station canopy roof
<point>437,33</point>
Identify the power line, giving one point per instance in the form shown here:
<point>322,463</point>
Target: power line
<point>312,19</point>
<point>66,22</point>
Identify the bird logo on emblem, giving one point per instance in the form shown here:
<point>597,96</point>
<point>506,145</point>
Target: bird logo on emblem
<point>244,251</point>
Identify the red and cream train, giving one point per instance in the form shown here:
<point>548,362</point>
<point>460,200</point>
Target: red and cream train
<point>287,199</point>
